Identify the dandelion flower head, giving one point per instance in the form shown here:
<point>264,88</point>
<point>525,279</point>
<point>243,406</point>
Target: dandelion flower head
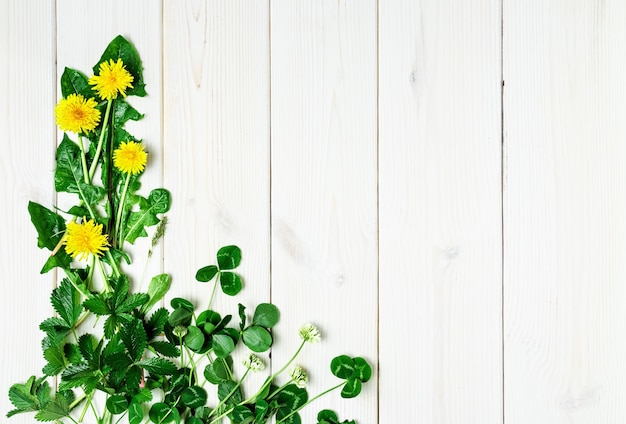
<point>77,114</point>
<point>253,363</point>
<point>310,333</point>
<point>113,79</point>
<point>84,239</point>
<point>130,157</point>
<point>299,376</point>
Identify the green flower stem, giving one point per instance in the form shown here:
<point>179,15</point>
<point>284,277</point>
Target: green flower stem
<point>92,267</point>
<point>83,159</point>
<point>77,401</point>
<point>243,377</point>
<point>96,157</point>
<point>311,400</point>
<point>120,211</point>
<point>89,400</point>
<point>269,380</point>
<point>217,277</point>
<point>116,270</point>
<point>275,392</point>
<point>103,274</point>
<point>222,415</point>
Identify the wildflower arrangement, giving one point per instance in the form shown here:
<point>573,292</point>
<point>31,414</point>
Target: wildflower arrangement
<point>140,359</point>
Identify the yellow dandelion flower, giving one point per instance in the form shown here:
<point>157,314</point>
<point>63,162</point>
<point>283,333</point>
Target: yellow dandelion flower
<point>82,240</point>
<point>114,79</point>
<point>130,157</point>
<point>77,114</point>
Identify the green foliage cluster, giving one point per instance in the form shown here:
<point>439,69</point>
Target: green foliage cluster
<point>146,362</point>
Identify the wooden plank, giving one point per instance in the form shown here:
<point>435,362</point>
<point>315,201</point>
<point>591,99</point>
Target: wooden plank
<point>324,217</point>
<point>216,150</point>
<point>27,81</point>
<point>440,213</point>
<point>565,321</point>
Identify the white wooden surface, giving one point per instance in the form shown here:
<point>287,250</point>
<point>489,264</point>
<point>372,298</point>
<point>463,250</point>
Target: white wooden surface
<point>468,241</point>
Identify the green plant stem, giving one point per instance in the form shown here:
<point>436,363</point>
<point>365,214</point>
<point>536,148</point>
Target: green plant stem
<point>116,270</point>
<point>219,417</point>
<point>273,376</point>
<point>243,377</point>
<point>103,274</point>
<point>77,401</point>
<point>311,400</point>
<point>120,211</point>
<point>217,277</point>
<point>82,414</point>
<point>83,159</point>
<point>96,157</point>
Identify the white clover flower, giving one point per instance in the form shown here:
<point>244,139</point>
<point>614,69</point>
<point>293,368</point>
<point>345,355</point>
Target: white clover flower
<point>310,333</point>
<point>180,331</point>
<point>299,376</point>
<point>253,363</point>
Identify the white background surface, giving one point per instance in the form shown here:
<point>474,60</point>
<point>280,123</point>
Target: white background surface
<point>437,184</point>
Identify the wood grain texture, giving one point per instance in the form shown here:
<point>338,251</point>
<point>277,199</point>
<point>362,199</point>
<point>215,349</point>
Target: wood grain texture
<point>565,321</point>
<point>324,216</point>
<point>27,79</point>
<point>216,115</point>
<point>440,228</point>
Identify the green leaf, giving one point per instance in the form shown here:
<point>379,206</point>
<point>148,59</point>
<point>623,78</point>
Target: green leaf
<point>292,397</point>
<point>65,300</point>
<point>180,316</point>
<point>193,420</point>
<point>97,305</point>
<point>327,416</point>
<point>342,366</point>
<point>161,413</point>
<point>120,48</point>
<point>56,360</point>
<point>157,202</point>
<point>229,393</point>
<point>156,323</point>
<point>194,397</point>
<point>260,410</point>
<point>217,371</point>
<point>257,338</point>
<point>134,338</point>
<point>362,370</point>
<point>135,413</point>
<point>54,410</point>
<point>223,345</point>
<point>22,398</point>
<point>123,112</point>
<point>50,226</point>
<point>117,404</point>
<point>159,286</point>
<point>352,388</point>
<point>179,302</point>
<point>206,273</point>
<point>133,301</point>
<point>75,82</point>
<point>158,366</point>
<point>266,315</point>
<point>194,339</point>
<point>242,414</point>
<point>228,257</point>
<point>242,316</point>
<point>165,348</point>
<point>69,177</point>
<point>230,282</point>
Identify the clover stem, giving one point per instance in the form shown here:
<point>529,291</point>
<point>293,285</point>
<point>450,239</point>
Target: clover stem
<point>243,377</point>
<point>222,415</point>
<point>285,418</point>
<point>96,157</point>
<point>84,411</point>
<point>120,210</point>
<point>269,380</point>
<point>77,401</point>
<point>213,291</point>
